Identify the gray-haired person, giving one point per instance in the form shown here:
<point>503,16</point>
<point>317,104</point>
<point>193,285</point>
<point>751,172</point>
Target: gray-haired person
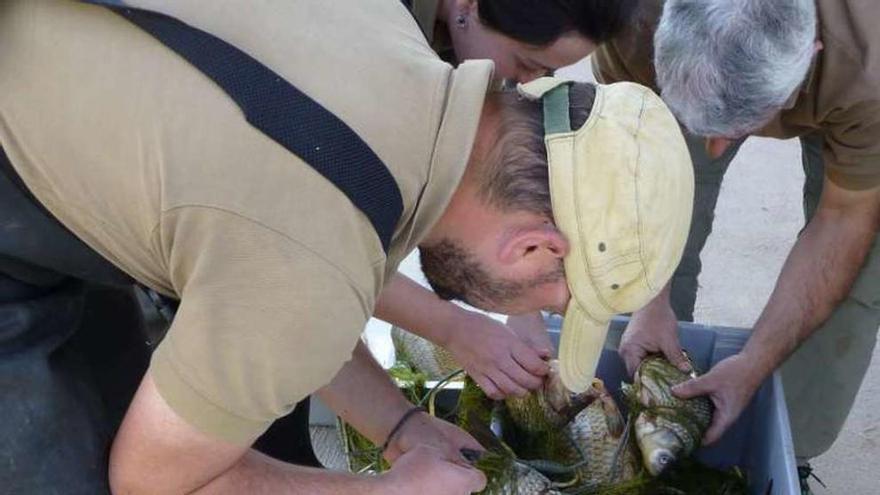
<point>778,68</point>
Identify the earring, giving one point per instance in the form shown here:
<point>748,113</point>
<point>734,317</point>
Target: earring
<point>461,21</point>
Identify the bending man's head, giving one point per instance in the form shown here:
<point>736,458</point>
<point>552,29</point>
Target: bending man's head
<point>622,189</point>
<point>496,246</point>
<point>725,68</point>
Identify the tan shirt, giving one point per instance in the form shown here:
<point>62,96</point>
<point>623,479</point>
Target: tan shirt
<point>153,166</point>
<point>840,99</point>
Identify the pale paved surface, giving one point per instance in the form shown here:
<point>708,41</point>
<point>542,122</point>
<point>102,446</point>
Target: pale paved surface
<point>758,216</point>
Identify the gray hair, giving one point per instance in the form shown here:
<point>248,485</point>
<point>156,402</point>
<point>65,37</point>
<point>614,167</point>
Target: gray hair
<point>725,67</point>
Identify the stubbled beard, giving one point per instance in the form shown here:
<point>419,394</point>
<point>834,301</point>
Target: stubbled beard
<point>455,274</point>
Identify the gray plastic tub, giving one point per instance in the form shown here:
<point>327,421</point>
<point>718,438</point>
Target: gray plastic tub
<point>759,442</point>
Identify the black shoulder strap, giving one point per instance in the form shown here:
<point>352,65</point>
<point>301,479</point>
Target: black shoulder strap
<point>285,114</point>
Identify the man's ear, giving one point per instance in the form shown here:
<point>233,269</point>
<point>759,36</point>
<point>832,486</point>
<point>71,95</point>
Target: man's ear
<point>533,244</point>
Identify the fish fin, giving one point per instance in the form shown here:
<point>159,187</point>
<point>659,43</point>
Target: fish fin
<point>578,403</point>
<point>623,452</point>
<point>613,417</point>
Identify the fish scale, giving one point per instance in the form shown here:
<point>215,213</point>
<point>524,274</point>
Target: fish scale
<point>607,460</point>
<point>525,481</point>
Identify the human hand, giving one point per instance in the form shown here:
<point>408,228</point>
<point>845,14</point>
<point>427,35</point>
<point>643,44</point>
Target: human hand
<point>653,329</point>
<point>426,471</point>
<point>531,328</point>
<point>730,385</point>
<point>499,360</point>
<point>424,429</point>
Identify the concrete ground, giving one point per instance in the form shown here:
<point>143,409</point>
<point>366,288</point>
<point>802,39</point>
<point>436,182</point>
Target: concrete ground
<point>758,216</point>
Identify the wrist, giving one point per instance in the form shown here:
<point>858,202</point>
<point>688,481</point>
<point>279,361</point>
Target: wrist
<point>398,440</point>
<point>534,319</point>
<point>756,365</point>
<point>661,302</point>
<point>455,323</point>
<point>381,484</point>
<point>654,314</point>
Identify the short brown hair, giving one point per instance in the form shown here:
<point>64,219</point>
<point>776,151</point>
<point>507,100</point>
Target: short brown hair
<point>515,176</point>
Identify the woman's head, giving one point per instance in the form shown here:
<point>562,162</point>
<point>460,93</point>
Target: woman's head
<point>529,38</point>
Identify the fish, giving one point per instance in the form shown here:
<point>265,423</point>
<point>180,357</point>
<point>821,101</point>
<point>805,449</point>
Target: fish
<point>527,480</point>
<point>554,442</point>
<point>505,473</point>
<point>572,440</point>
<point>667,429</point>
<point>515,478</point>
<point>549,434</point>
<point>433,361</point>
<point>600,431</point>
<point>550,407</point>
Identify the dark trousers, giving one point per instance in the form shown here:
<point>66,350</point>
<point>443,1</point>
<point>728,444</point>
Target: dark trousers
<point>71,358</point>
<point>60,405</point>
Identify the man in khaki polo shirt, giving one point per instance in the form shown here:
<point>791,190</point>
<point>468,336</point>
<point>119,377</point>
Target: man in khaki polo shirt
<point>778,68</point>
<point>153,166</point>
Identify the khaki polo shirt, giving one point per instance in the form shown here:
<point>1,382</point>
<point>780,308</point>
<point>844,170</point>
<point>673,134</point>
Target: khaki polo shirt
<point>153,166</point>
<point>840,98</point>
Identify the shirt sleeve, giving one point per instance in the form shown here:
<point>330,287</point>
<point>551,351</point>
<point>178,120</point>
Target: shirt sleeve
<point>263,322</point>
<point>630,55</point>
<point>852,146</point>
<point>610,66</point>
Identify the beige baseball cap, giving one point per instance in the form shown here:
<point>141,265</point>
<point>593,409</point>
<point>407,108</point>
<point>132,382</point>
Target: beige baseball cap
<point>622,189</point>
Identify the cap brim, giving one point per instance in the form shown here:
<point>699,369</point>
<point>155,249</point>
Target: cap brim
<point>580,347</point>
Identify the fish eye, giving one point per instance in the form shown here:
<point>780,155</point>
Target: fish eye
<point>664,459</point>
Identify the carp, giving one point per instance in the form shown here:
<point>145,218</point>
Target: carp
<point>600,432</point>
<point>551,407</point>
<point>518,479</point>
<point>550,441</point>
<point>667,429</point>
